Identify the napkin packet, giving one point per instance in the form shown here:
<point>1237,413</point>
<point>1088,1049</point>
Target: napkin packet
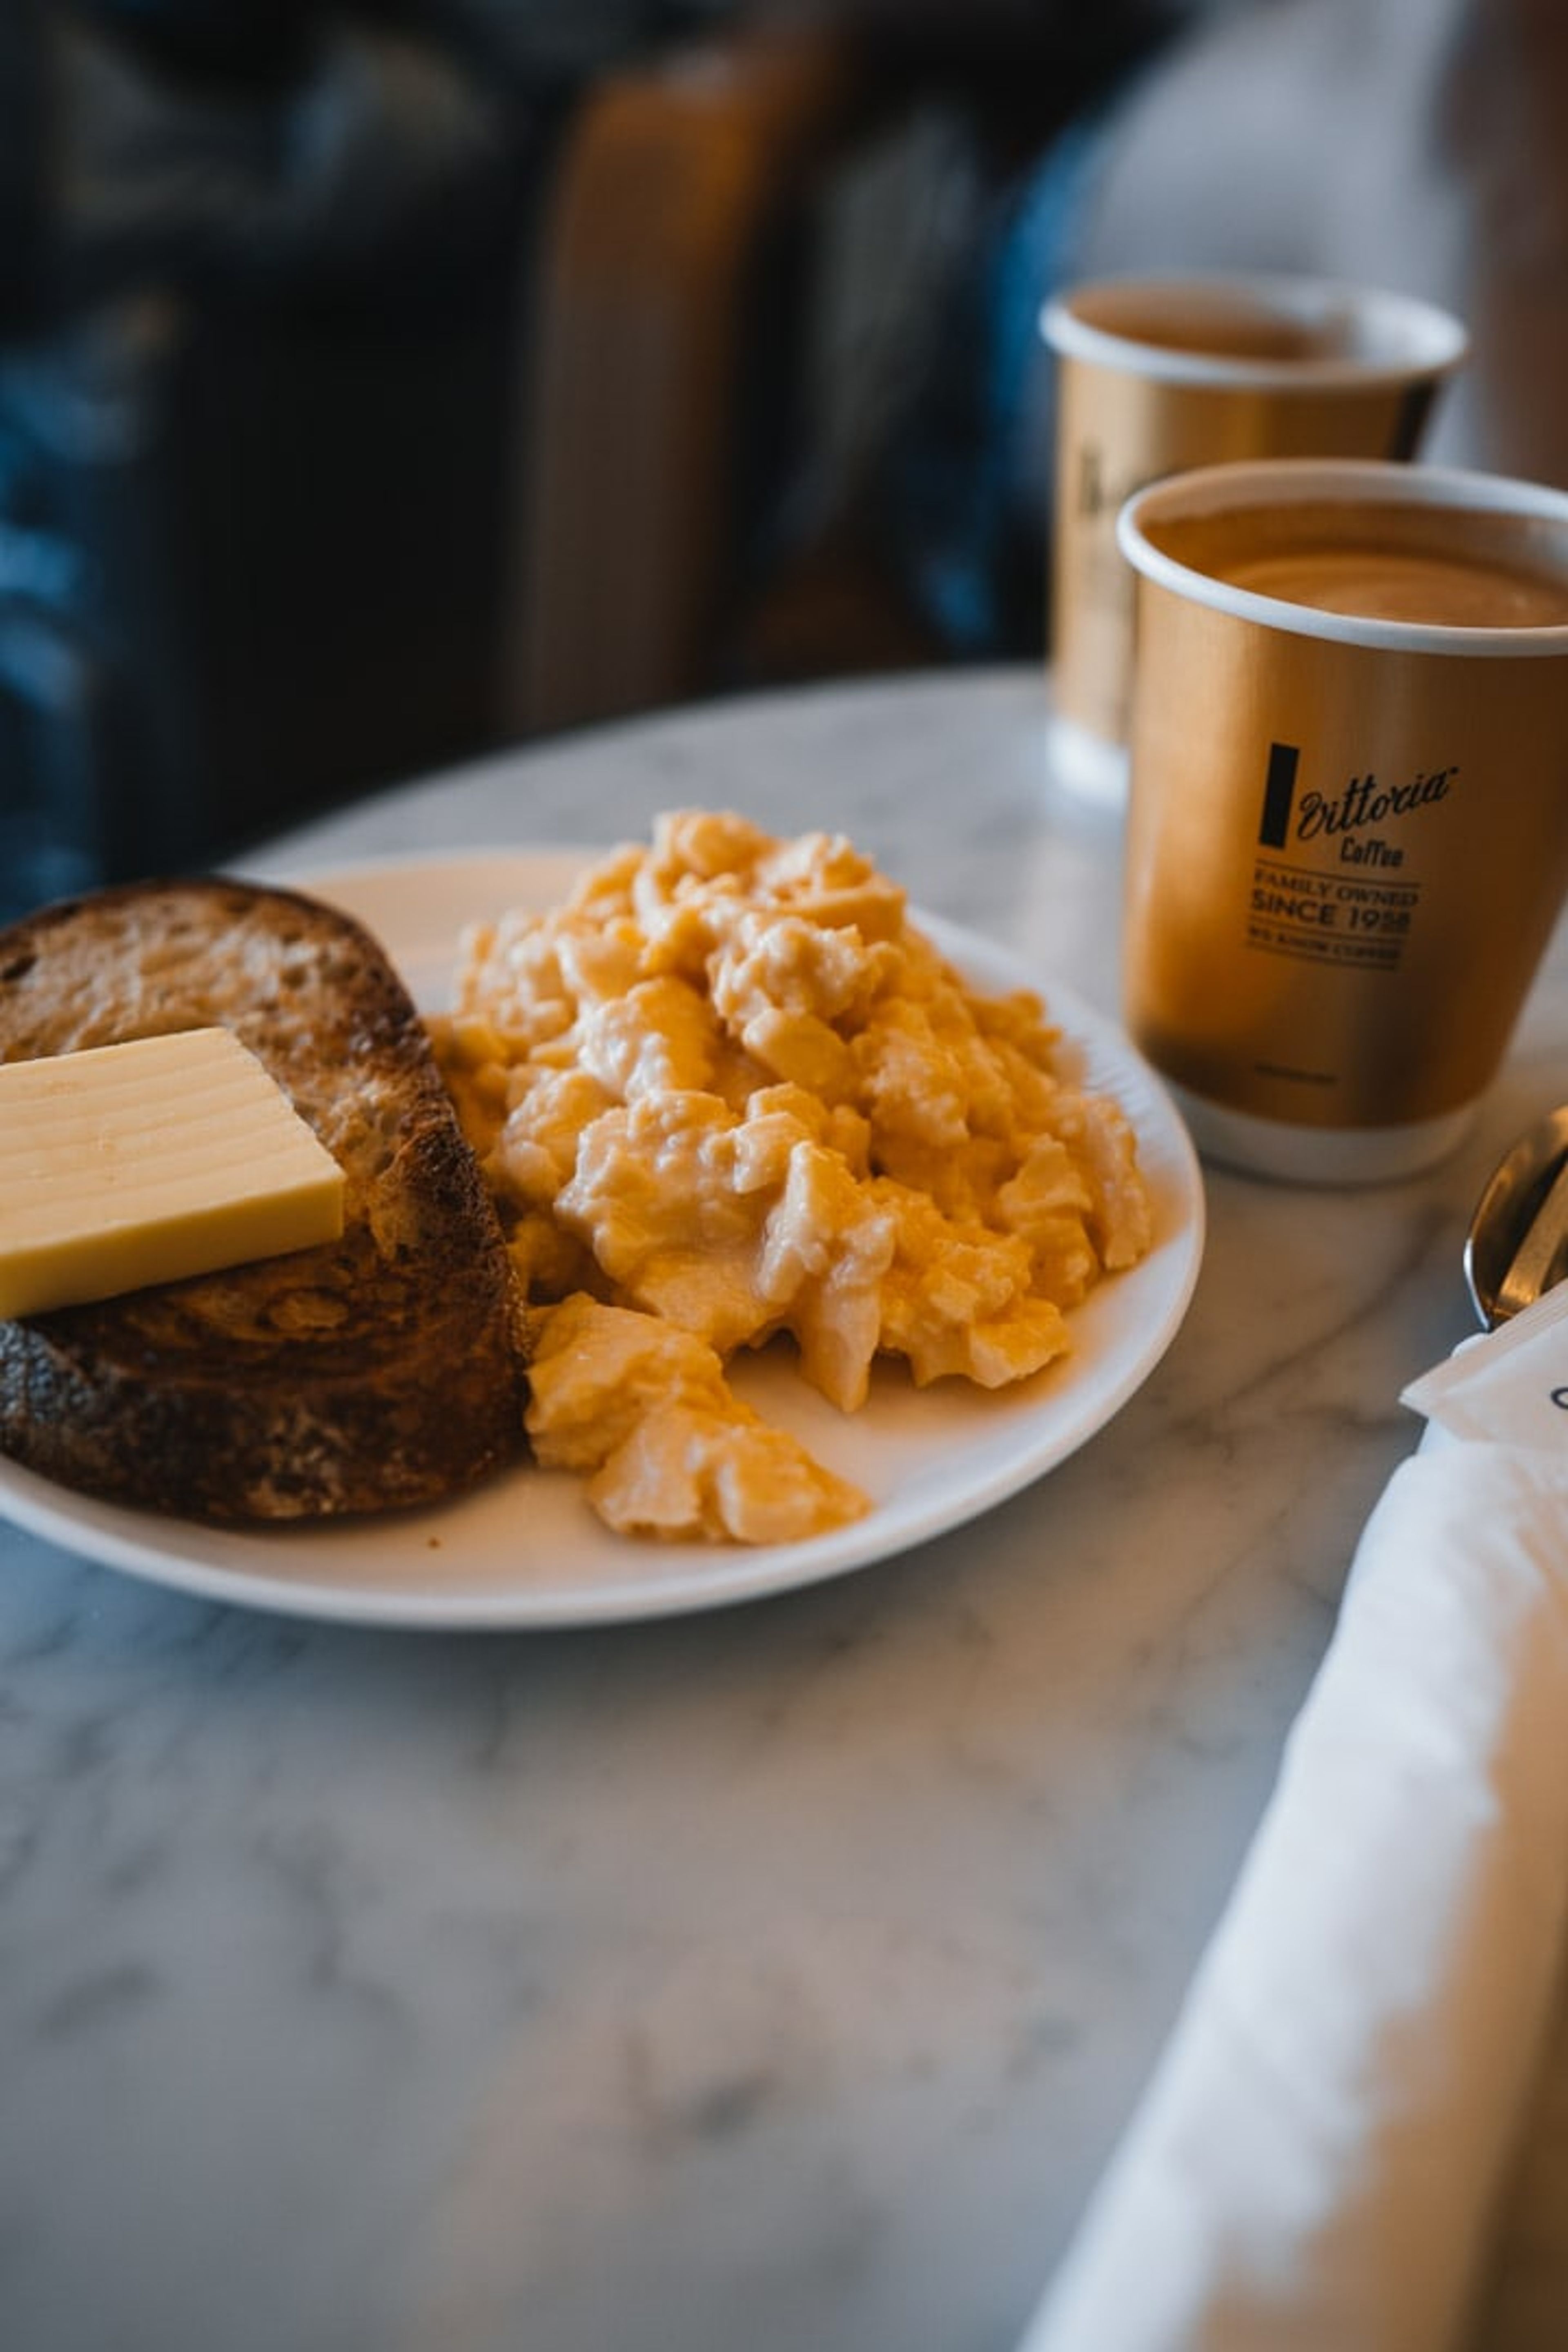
<point>1321,2156</point>
<point>1509,1386</point>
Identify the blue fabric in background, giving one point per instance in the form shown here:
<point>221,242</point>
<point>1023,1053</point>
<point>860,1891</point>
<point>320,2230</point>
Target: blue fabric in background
<point>965,508</point>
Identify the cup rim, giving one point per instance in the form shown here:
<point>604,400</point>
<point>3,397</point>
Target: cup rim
<point>1283,481</point>
<point>1419,341</point>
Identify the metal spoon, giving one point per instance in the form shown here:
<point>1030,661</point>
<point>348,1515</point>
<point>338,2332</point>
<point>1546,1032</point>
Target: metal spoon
<point>1517,1243</point>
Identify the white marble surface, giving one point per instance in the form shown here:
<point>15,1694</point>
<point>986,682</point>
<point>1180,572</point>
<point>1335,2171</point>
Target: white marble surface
<point>779,1977</point>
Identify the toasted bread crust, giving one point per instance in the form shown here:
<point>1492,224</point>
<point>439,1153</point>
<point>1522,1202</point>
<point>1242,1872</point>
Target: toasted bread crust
<point>381,1371</point>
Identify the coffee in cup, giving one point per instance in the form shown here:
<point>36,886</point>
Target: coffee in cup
<point>1347,834</point>
<point>1155,375</point>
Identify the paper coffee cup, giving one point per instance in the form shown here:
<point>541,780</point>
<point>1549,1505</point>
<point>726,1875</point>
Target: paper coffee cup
<point>1347,834</point>
<point>1157,375</point>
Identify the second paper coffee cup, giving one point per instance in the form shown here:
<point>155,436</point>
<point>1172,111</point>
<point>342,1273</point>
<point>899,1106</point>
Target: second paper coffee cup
<point>1155,374</point>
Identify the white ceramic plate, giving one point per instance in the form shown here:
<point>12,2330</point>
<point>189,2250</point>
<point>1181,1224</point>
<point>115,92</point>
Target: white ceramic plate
<point>526,1550</point>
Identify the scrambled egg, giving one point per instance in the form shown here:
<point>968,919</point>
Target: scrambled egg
<point>644,1411</point>
<point>727,1090</point>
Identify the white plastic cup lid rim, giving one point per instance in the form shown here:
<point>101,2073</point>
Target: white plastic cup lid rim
<point>1391,338</point>
<point>1215,490</point>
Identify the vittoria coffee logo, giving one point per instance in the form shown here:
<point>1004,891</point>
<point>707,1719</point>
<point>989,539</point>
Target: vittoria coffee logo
<point>1099,493</point>
<point>1288,817</point>
<point>1279,794</point>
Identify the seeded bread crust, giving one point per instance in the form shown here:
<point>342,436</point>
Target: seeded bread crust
<point>381,1371</point>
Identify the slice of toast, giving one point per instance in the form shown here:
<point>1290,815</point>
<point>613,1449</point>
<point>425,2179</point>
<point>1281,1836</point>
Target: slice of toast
<point>362,1375</point>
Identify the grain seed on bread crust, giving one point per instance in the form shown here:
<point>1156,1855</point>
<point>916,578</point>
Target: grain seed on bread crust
<point>378,1371</point>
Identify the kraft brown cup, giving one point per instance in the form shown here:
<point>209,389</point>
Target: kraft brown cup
<point>1347,832</point>
<point>1158,374</point>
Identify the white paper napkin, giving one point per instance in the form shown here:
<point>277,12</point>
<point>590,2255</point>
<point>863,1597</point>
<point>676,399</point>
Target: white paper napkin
<point>1317,2158</point>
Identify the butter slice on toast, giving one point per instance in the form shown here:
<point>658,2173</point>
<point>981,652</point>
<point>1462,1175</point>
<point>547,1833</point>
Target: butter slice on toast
<point>125,1165</point>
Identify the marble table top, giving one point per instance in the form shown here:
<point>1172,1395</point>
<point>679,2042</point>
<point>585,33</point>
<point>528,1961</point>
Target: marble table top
<point>778,1976</point>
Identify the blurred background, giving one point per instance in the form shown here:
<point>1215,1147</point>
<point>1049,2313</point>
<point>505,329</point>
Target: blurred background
<point>384,383</point>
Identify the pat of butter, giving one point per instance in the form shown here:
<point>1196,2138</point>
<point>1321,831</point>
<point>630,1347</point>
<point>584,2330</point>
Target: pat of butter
<point>125,1165</point>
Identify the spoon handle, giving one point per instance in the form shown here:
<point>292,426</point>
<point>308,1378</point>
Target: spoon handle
<point>1531,1270</point>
